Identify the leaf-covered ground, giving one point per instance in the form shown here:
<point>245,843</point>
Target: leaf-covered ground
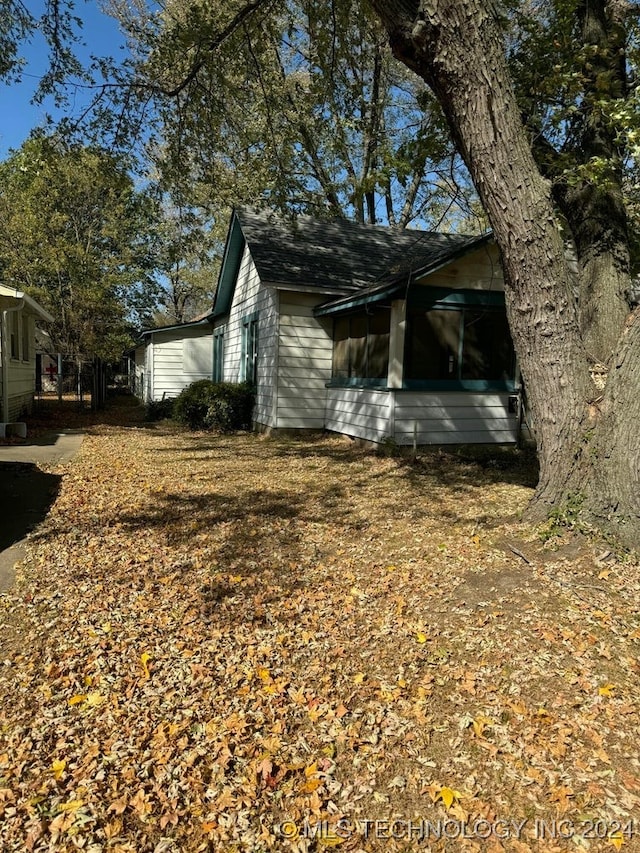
<point>245,644</point>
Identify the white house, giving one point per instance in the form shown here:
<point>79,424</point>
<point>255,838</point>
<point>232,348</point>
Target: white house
<point>366,331</point>
<point>19,315</point>
<point>170,358</point>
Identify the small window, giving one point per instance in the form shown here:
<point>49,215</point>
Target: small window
<point>15,334</point>
<point>218,356</point>
<point>249,358</point>
<point>26,328</point>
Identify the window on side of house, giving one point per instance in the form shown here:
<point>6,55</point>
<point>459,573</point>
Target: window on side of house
<point>15,334</point>
<point>218,356</point>
<point>249,356</point>
<point>361,346</point>
<point>458,344</point>
<point>26,328</point>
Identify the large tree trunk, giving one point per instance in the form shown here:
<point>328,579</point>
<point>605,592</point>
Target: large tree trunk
<point>456,46</point>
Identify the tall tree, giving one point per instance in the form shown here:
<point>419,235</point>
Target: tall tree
<point>566,331</point>
<point>74,233</point>
<point>187,260</point>
<point>301,106</point>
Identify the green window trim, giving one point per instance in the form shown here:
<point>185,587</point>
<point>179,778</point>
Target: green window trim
<point>249,351</point>
<point>217,373</point>
<point>355,382</point>
<point>458,346</point>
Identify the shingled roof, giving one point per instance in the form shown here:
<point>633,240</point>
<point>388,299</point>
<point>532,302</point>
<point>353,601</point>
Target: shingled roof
<point>340,255</point>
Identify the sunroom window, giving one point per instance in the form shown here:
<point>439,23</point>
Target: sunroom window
<point>361,345</point>
<point>459,344</point>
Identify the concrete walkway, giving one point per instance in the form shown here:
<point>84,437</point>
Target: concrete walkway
<point>27,491</point>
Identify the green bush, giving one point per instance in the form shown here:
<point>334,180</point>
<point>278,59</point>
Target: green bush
<point>159,410</point>
<point>220,406</point>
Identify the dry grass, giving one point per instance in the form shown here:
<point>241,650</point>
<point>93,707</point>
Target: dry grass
<point>214,635</point>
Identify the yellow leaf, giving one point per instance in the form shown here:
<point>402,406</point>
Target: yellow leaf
<point>604,574</point>
<point>94,699</point>
<point>330,839</point>
<point>478,727</point>
<point>77,699</point>
<point>359,677</point>
<point>616,839</point>
<point>421,637</point>
<point>311,769</point>
<point>145,657</point>
<point>310,786</point>
<point>70,806</point>
<point>58,768</point>
<point>448,796</point>
<point>606,690</point>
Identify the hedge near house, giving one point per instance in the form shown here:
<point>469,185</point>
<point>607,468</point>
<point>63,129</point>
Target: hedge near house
<point>220,406</point>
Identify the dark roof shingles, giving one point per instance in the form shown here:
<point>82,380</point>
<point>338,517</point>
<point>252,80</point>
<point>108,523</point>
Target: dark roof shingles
<point>339,256</point>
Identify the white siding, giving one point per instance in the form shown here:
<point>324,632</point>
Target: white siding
<point>250,298</point>
<point>304,363</point>
<point>480,270</point>
<point>21,374</point>
<point>360,412</point>
<point>178,357</point>
<point>427,417</point>
<point>139,382</point>
<point>454,418</point>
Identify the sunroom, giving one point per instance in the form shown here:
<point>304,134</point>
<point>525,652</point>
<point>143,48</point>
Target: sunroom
<point>430,361</point>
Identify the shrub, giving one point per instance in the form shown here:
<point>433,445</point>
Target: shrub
<point>158,410</point>
<point>220,406</point>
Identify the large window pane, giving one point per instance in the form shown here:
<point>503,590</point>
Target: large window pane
<point>487,351</point>
<point>378,345</point>
<point>358,346</point>
<point>361,345</point>
<point>433,344</point>
<point>341,348</point>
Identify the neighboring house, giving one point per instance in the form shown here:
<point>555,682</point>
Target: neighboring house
<point>19,315</point>
<point>172,357</point>
<point>363,330</point>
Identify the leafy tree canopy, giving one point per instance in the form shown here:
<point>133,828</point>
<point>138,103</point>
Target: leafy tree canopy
<point>300,106</point>
<point>75,234</point>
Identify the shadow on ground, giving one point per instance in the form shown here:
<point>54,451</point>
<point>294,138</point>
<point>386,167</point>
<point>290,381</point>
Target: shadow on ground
<point>26,494</point>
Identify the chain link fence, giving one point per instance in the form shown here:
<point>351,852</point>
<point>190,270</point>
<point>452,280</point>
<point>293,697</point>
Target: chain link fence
<point>84,381</point>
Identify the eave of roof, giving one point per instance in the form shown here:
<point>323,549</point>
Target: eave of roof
<point>31,304</point>
<point>203,321</point>
<point>398,283</point>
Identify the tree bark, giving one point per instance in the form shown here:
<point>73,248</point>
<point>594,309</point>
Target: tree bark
<point>456,46</point>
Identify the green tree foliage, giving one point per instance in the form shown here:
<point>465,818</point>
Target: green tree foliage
<point>59,27</point>
<point>74,233</point>
<point>300,106</point>
<point>186,260</point>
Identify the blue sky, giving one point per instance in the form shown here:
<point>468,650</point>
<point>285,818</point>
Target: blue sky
<point>101,37</point>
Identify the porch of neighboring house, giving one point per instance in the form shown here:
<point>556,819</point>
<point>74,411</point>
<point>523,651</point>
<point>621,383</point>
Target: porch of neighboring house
<point>19,314</point>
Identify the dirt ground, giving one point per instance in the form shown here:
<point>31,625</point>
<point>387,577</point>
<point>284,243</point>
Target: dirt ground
<point>239,643</point>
